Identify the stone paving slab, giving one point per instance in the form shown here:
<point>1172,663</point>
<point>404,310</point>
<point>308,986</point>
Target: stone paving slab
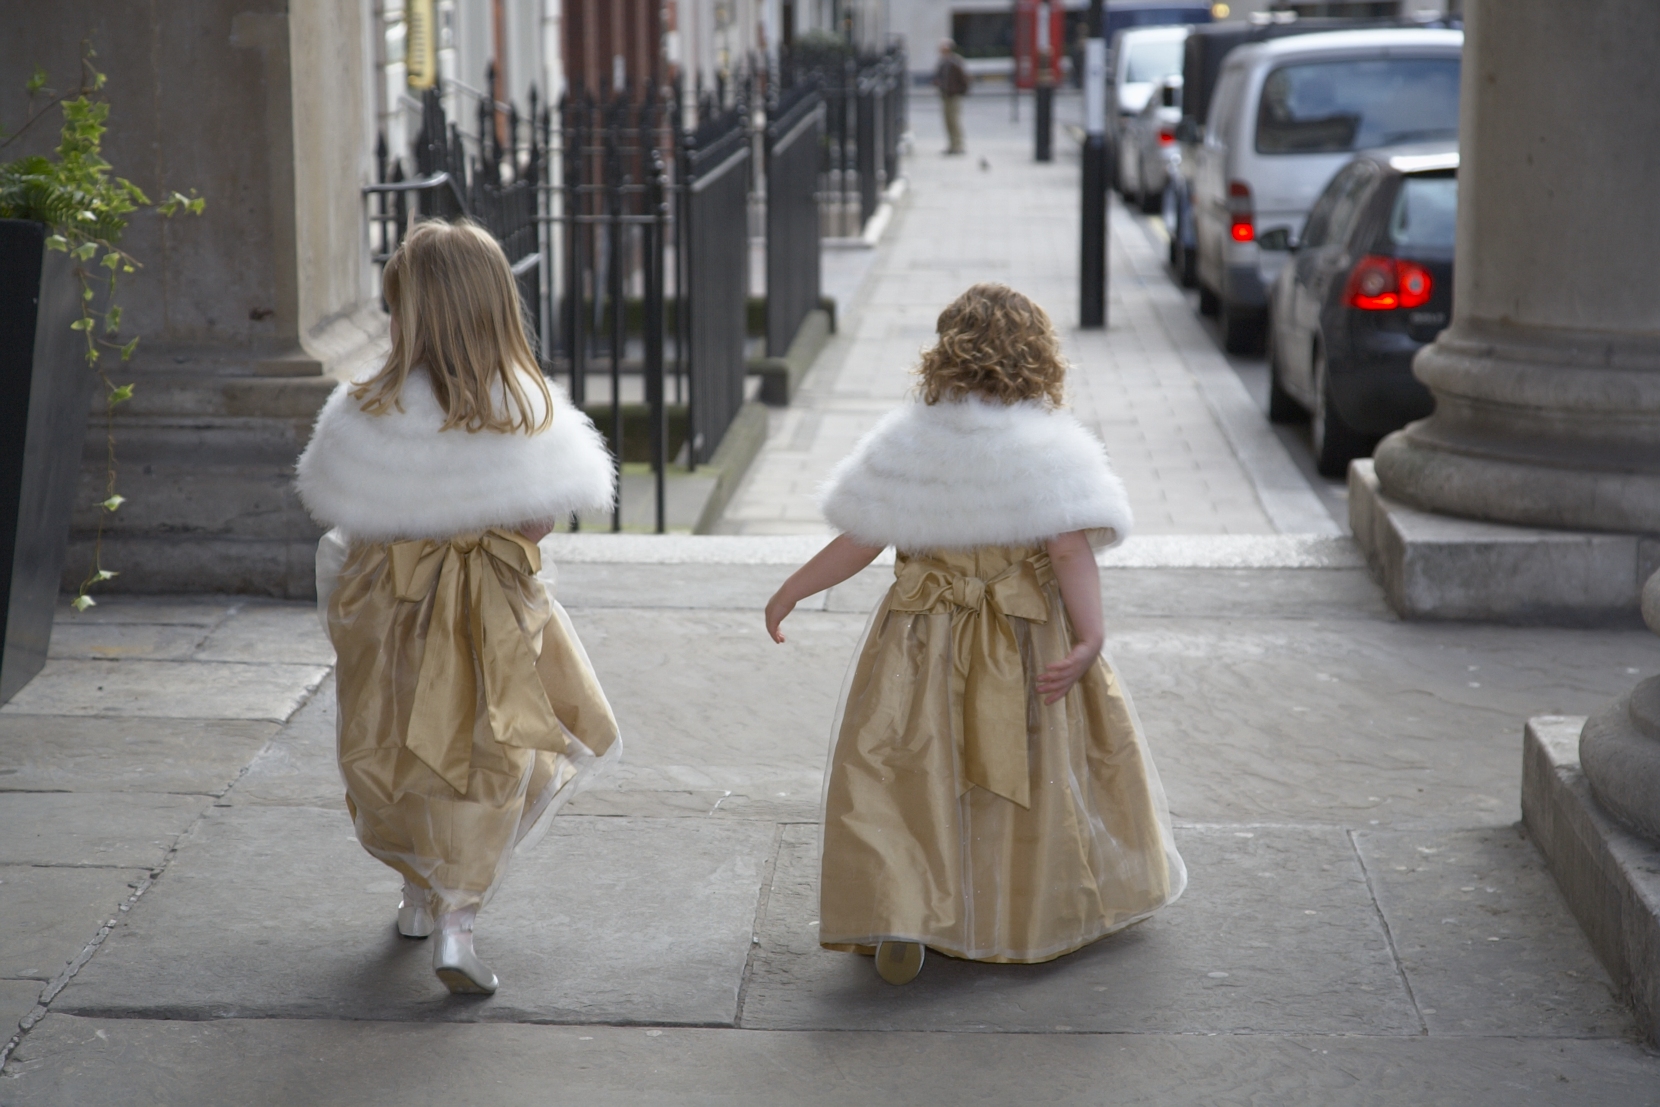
<point>17,999</point>
<point>709,693</point>
<point>1356,722</point>
<point>118,829</point>
<point>297,766</point>
<point>161,689</point>
<point>377,1064</point>
<point>270,633</point>
<point>1276,934</point>
<point>47,753</point>
<point>1485,937</point>
<point>119,641</point>
<point>48,914</point>
<point>277,912</point>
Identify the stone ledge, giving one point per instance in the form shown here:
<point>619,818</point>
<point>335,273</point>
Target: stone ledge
<point>1610,878</point>
<point>1154,551</point>
<point>1440,567</point>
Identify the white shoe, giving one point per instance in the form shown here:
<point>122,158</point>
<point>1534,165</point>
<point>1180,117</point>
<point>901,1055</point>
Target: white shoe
<point>414,915</point>
<point>458,966</point>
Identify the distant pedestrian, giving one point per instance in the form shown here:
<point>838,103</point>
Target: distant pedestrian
<point>468,711</point>
<point>951,78</point>
<point>990,793</point>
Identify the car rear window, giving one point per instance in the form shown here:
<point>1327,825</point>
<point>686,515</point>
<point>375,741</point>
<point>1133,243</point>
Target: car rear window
<point>1337,106</point>
<point>1152,61</point>
<point>1426,213</point>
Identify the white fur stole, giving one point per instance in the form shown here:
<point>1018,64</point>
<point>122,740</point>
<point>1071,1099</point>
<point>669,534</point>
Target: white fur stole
<point>971,472</point>
<point>381,477</point>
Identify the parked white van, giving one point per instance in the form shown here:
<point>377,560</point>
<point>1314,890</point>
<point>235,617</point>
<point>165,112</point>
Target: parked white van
<point>1286,115</point>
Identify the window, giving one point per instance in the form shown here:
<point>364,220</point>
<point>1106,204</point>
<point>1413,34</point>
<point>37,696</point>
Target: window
<point>983,34</point>
<point>1426,212</point>
<point>1329,219</point>
<point>1145,62</point>
<point>1224,103</point>
<point>1337,106</point>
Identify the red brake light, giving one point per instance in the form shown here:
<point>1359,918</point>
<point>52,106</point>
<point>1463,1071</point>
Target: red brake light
<point>1242,224</point>
<point>1384,284</point>
<point>1166,136</point>
<point>1415,283</point>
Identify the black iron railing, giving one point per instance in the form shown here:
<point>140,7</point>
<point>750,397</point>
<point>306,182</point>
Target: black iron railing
<point>794,141</point>
<point>712,308</point>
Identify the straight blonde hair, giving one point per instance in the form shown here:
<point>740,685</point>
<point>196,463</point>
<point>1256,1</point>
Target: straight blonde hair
<point>457,313</point>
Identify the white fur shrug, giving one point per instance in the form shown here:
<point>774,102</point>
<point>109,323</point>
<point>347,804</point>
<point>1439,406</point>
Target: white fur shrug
<point>966,473</point>
<point>380,477</point>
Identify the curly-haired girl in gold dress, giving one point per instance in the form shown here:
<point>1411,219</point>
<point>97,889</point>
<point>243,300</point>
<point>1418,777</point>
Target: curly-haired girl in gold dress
<point>990,794</point>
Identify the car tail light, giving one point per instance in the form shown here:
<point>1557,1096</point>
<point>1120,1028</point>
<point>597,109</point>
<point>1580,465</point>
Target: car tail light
<point>1242,219</point>
<point>1384,284</point>
<point>1415,283</point>
<point>1166,136</point>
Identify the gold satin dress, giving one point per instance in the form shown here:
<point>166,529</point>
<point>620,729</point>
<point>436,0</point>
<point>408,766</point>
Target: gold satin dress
<point>468,707</point>
<point>960,810</point>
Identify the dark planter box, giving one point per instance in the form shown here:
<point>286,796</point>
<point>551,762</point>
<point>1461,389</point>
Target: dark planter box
<point>45,389</point>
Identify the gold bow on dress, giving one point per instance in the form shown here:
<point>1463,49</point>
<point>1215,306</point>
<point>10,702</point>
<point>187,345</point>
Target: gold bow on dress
<point>472,617</point>
<point>988,677</point>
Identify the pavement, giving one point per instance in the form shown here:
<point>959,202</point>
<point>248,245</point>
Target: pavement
<point>186,918</point>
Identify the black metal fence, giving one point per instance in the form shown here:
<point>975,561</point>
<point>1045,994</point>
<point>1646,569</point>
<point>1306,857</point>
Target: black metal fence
<point>794,149</point>
<point>626,222</point>
<point>866,116</point>
<point>712,312</point>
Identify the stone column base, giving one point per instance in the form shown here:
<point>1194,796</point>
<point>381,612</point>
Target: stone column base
<point>1441,567</point>
<point>206,463</point>
<point>1609,876</point>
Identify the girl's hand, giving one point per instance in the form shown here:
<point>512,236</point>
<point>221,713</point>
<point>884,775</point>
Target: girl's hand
<point>830,566</point>
<point>535,532</point>
<point>1057,679</point>
<point>779,606</point>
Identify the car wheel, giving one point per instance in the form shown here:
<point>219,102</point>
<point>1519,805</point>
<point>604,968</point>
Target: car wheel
<point>1152,203</point>
<point>1190,267</point>
<point>1241,329</point>
<point>1282,406</point>
<point>1209,302</point>
<point>1335,442</point>
<point>1174,256</point>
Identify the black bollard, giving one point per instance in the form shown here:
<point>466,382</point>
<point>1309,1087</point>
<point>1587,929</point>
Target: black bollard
<point>1045,150</point>
<point>1092,269</point>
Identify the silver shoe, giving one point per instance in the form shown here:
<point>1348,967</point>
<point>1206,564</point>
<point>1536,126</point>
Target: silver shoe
<point>458,966</point>
<point>414,916</point>
<point>899,962</point>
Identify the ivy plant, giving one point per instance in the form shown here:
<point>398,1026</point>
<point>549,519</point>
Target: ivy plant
<point>86,209</point>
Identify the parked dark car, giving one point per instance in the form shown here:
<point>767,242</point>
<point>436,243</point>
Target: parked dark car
<point>1369,284</point>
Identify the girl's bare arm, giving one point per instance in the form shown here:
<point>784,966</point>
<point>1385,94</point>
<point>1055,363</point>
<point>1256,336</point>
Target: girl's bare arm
<point>829,567</point>
<point>1080,583</point>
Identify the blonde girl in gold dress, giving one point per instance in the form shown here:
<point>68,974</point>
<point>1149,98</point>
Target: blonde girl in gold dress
<point>468,711</point>
<point>990,795</point>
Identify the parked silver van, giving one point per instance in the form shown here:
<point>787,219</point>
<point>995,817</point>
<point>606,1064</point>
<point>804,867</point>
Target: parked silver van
<point>1286,115</point>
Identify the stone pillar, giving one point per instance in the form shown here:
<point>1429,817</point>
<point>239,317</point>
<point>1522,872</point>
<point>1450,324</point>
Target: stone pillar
<point>1619,749</point>
<point>1547,381</point>
<point>246,313</point>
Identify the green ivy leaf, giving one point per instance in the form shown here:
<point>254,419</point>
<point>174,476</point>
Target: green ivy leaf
<point>110,260</point>
<point>82,324</point>
<point>127,351</point>
<point>105,574</point>
<point>113,502</point>
<point>57,242</point>
<point>83,601</point>
<point>120,396</point>
<point>37,82</point>
<point>112,320</point>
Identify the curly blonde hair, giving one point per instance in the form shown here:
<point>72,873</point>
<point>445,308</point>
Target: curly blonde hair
<point>996,344</point>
